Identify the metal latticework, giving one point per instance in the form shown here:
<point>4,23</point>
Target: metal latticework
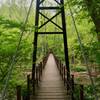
<point>59,8</point>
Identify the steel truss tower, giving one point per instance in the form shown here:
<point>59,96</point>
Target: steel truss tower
<point>60,9</point>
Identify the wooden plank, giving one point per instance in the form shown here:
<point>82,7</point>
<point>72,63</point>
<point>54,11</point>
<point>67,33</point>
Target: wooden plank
<point>51,86</point>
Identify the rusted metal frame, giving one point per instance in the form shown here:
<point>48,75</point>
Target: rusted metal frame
<point>49,20</point>
<point>65,43</point>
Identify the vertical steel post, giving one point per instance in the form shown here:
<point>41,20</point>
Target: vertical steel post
<point>35,39</point>
<point>65,42</point>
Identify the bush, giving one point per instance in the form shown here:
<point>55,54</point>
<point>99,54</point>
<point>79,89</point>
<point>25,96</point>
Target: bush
<point>79,69</point>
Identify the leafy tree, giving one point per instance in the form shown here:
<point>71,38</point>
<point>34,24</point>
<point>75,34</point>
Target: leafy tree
<point>93,9</point>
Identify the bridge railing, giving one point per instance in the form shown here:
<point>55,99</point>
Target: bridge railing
<point>38,73</point>
<point>63,72</point>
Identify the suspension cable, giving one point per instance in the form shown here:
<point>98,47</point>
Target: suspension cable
<point>83,54</point>
<point>15,55</point>
<point>68,83</point>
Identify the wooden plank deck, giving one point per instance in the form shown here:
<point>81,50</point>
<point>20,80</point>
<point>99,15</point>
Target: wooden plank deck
<point>51,86</point>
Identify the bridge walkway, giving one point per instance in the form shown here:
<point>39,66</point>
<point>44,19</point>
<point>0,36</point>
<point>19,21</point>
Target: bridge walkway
<point>51,86</point>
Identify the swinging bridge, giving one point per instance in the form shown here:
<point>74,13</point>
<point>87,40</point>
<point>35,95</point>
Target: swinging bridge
<point>50,79</point>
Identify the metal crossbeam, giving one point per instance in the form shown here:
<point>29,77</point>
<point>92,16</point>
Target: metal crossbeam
<point>49,8</point>
<point>50,33</point>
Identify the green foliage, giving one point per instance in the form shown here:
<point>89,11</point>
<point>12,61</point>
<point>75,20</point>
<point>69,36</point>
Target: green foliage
<point>79,68</point>
<point>88,92</point>
<point>11,23</point>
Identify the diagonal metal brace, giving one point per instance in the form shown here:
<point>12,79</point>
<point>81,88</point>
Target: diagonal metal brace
<point>51,21</point>
<point>57,2</point>
<point>41,1</point>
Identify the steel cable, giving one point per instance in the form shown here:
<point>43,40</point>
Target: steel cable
<point>15,55</point>
<point>82,52</point>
